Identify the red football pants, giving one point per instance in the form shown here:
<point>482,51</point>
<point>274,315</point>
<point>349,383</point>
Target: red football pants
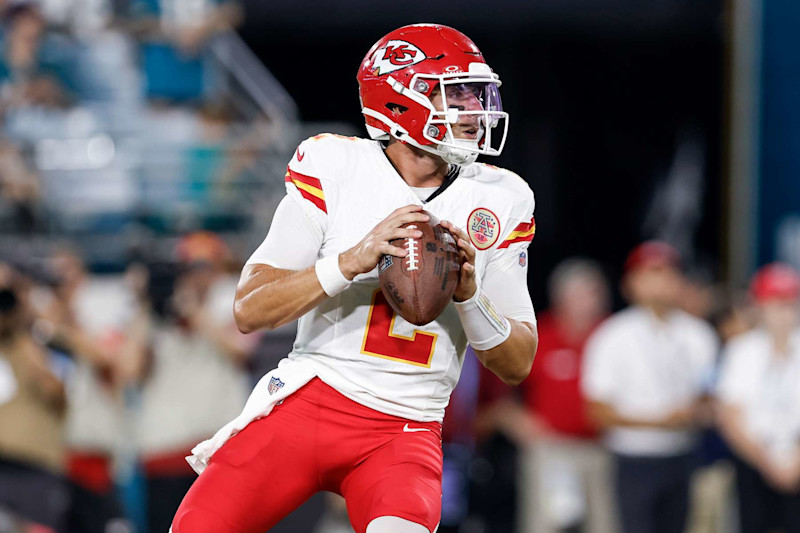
<point>316,440</point>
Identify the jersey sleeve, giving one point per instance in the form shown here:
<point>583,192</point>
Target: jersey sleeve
<point>505,280</point>
<point>293,241</point>
<point>522,224</point>
<point>301,219</point>
<point>310,179</point>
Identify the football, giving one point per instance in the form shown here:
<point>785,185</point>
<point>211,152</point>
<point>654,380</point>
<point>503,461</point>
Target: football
<point>420,285</point>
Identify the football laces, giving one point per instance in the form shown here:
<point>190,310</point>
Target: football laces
<point>412,246</point>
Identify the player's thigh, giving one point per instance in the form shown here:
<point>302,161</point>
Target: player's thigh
<point>401,479</point>
<point>257,478</point>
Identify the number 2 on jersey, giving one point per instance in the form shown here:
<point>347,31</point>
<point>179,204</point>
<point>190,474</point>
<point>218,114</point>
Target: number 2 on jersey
<point>381,341</point>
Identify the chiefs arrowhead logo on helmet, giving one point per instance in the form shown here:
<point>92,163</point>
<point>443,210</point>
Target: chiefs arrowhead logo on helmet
<point>396,55</point>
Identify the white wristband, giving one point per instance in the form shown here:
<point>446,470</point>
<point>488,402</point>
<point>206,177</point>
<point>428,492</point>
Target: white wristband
<point>484,326</point>
<point>330,275</point>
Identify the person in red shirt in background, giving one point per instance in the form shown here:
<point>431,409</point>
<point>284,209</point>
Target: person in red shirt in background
<point>564,474</point>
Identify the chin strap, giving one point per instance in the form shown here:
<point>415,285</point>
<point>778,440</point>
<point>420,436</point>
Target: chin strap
<point>458,156</point>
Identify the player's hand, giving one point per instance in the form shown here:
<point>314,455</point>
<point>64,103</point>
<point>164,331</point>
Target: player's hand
<point>467,284</point>
<point>364,256</point>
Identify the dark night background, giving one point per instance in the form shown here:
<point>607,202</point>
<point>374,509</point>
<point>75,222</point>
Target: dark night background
<point>598,94</point>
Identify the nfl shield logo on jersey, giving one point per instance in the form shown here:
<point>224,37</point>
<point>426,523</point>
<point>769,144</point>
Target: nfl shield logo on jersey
<point>523,259</point>
<point>275,384</point>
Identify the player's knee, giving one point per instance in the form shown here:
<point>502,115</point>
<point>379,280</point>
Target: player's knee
<point>198,521</point>
<point>394,524</point>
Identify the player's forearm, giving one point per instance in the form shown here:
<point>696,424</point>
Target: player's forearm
<point>511,360</point>
<point>268,297</point>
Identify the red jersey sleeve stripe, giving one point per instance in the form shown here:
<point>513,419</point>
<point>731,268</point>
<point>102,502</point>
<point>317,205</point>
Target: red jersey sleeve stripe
<point>524,232</point>
<point>525,227</point>
<point>308,190</point>
<point>315,200</point>
<point>302,178</point>
<point>507,242</point>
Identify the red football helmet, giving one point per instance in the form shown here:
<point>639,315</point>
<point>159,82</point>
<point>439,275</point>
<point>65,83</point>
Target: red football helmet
<point>404,72</point>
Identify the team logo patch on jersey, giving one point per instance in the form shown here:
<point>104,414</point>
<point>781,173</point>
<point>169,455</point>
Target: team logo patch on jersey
<point>523,259</point>
<point>275,384</point>
<point>483,228</point>
<point>396,55</point>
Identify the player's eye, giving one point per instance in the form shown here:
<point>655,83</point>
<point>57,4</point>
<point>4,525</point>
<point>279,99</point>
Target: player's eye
<point>462,91</point>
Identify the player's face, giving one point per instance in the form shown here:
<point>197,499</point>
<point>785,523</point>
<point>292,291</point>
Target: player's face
<point>464,97</point>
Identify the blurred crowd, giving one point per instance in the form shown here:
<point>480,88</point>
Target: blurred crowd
<point>119,113</point>
<point>94,370</point>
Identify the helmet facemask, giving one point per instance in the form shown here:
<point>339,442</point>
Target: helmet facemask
<point>467,121</point>
<point>467,99</point>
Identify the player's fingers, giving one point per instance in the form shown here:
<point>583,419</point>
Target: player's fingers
<point>394,221</point>
<point>469,250</point>
<point>401,215</point>
<point>411,208</point>
<point>462,253</point>
<point>457,232</point>
<point>387,248</point>
<point>469,269</point>
<point>405,218</point>
<point>401,233</point>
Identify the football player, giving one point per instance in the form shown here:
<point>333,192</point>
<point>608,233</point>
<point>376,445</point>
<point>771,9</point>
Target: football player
<point>356,407</point>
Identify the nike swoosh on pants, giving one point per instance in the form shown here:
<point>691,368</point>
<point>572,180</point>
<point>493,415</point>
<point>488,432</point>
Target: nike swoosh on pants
<point>407,429</point>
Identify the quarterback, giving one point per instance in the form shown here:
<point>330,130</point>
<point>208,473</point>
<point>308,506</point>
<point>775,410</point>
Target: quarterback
<point>356,407</point>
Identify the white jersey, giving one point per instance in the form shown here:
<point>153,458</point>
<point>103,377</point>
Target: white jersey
<point>339,189</point>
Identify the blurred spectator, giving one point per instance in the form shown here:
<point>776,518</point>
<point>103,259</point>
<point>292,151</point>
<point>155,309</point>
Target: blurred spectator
<point>28,75</point>
<point>190,359</point>
<point>87,318</point>
<point>759,402</point>
<point>32,403</point>
<point>565,473</point>
<point>698,294</point>
<point>712,489</point>
<point>644,377</point>
<point>19,189</point>
<point>734,316</point>
<point>206,160</point>
<point>174,35</point>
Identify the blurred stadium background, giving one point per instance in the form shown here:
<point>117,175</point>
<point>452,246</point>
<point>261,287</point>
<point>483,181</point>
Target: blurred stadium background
<point>128,126</point>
